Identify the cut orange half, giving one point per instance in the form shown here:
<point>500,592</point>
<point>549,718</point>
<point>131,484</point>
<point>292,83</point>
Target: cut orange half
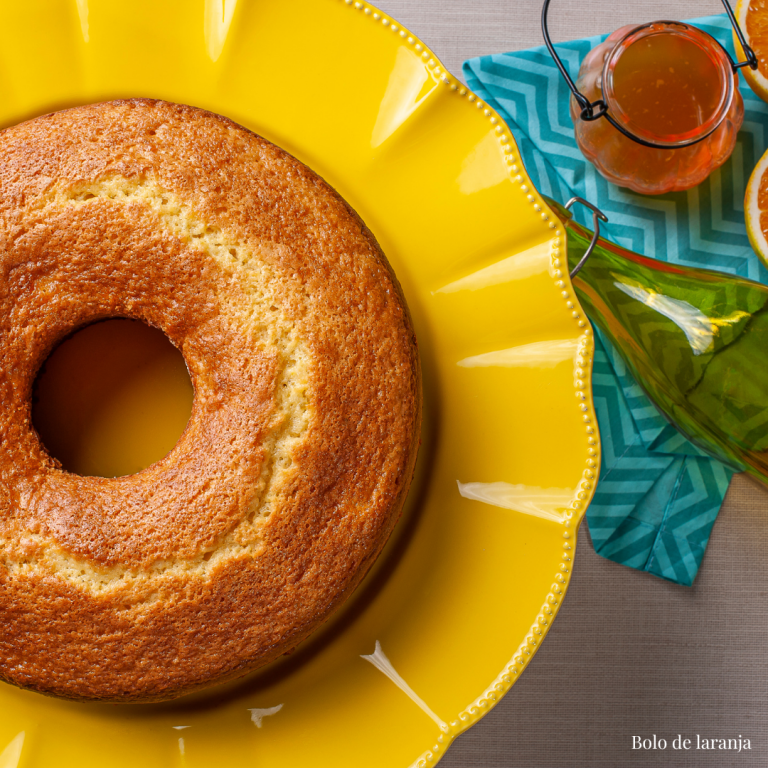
<point>756,208</point>
<point>752,16</point>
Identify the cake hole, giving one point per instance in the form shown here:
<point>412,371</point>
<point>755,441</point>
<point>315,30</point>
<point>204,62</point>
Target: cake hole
<point>112,398</point>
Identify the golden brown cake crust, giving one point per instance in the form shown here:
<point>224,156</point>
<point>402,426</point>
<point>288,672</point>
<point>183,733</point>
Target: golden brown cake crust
<point>295,464</point>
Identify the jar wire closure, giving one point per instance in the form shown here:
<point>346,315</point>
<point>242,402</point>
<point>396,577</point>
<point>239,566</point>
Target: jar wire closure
<point>600,108</point>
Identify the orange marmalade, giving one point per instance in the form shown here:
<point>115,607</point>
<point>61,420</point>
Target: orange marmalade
<point>667,84</point>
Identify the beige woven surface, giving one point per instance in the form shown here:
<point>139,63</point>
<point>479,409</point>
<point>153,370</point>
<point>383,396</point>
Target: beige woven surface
<point>629,654</point>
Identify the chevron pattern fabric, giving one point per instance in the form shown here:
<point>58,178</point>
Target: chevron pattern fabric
<point>658,495</point>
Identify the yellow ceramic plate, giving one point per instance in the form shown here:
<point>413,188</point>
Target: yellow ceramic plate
<point>477,568</point>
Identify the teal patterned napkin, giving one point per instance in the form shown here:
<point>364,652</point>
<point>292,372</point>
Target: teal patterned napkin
<point>658,495</point>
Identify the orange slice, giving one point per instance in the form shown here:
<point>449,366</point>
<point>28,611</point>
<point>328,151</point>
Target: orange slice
<point>752,16</point>
<point>756,208</point>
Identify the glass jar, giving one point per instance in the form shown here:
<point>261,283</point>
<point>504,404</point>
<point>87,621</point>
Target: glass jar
<point>665,83</point>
